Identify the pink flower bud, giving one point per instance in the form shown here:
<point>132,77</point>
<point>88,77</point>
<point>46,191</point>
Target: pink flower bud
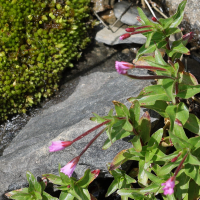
<point>69,168</point>
<point>175,158</point>
<point>122,67</point>
<point>169,186</point>
<point>188,37</point>
<point>132,29</point>
<point>59,145</point>
<point>154,19</point>
<point>123,37</point>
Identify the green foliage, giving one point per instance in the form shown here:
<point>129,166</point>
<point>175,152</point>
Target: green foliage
<point>38,39</point>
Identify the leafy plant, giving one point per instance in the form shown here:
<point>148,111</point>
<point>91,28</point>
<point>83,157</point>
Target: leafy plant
<point>167,160</point>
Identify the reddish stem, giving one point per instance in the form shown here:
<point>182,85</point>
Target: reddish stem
<point>180,165</point>
<point>90,143</point>
<point>148,77</point>
<point>143,27</point>
<point>137,32</point>
<point>91,130</point>
<point>150,67</point>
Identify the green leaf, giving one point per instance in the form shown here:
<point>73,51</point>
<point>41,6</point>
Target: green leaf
<point>149,37</point>
<point>193,124</point>
<point>171,31</point>
<point>128,126</point>
<point>112,188</point>
<point>132,154</point>
<point>54,179</point>
<point>136,143</point>
<point>178,142</point>
<point>144,17</point>
<point>193,191</point>
<point>177,18</point>
<point>117,133</point>
<point>86,179</point>
<point>193,172</point>
<point>158,106</point>
<point>166,22</point>
<point>179,112</point>
<point>178,49</point>
<point>166,169</point>
<point>118,160</point>
<point>183,185</point>
<point>152,46</point>
<point>144,127</point>
<point>168,85</point>
<point>121,109</point>
<point>150,94</point>
<point>193,160</point>
<point>135,113</point>
<point>23,196</point>
<point>97,118</point>
<point>142,176</point>
<point>82,194</point>
<point>33,184</point>
<point>158,58</point>
<point>187,91</point>
<point>66,196</point>
<point>153,144</point>
<point>154,178</point>
<point>187,78</point>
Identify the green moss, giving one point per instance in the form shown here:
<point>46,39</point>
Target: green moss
<point>38,39</point>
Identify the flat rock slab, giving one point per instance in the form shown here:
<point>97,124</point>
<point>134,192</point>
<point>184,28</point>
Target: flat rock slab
<point>112,38</point>
<point>129,17</point>
<point>65,121</point>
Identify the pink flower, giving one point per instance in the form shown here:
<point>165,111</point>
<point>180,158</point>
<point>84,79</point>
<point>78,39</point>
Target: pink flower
<point>169,186</point>
<point>122,67</point>
<point>68,169</point>
<point>59,145</point>
<point>124,36</point>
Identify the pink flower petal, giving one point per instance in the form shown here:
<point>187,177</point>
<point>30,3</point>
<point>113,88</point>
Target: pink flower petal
<point>69,168</point>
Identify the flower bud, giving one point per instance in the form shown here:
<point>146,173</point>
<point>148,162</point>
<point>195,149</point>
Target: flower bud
<point>188,37</point>
<point>132,29</point>
<point>59,145</point>
<point>122,67</point>
<point>69,168</point>
<point>123,37</point>
<point>154,19</point>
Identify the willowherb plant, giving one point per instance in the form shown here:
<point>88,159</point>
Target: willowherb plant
<point>169,159</point>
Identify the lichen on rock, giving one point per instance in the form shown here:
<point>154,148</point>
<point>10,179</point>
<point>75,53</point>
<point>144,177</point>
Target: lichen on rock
<point>38,39</point>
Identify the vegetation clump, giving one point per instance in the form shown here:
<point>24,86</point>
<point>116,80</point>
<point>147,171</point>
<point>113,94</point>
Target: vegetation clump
<point>38,39</point>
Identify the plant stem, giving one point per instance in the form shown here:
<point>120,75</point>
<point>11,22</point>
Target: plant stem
<point>91,130</point>
<point>90,143</point>
<point>147,77</point>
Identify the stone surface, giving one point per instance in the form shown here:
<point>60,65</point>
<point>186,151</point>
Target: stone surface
<point>101,5</point>
<point>129,17</point>
<point>191,20</point>
<point>112,38</point>
<point>65,121</point>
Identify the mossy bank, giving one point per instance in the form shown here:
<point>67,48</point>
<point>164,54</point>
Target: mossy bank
<point>38,39</point>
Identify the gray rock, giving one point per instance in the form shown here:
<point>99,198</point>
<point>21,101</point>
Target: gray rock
<point>112,38</point>
<point>129,17</point>
<point>65,121</point>
<point>101,5</point>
